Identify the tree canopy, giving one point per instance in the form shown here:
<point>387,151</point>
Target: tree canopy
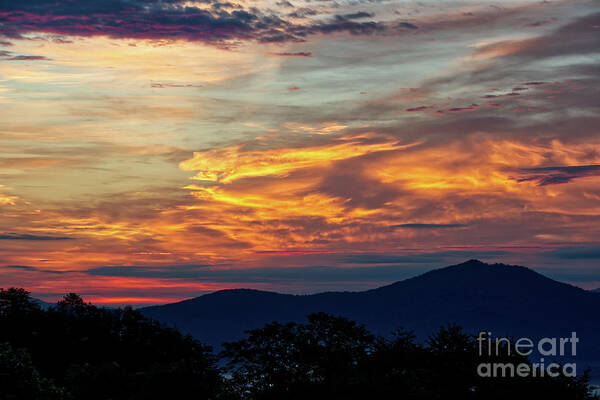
<point>76,350</point>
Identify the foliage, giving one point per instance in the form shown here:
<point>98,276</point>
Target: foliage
<point>20,380</point>
<point>78,351</point>
<point>98,353</point>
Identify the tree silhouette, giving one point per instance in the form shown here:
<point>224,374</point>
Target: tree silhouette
<point>76,350</point>
<point>102,354</point>
<point>334,358</point>
<point>298,360</point>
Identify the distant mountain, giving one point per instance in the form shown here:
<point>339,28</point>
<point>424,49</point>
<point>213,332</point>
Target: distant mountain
<point>506,300</point>
<point>43,304</point>
<point>596,290</point>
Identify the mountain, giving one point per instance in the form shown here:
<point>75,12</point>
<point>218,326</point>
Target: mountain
<point>43,304</point>
<point>596,290</point>
<point>506,300</point>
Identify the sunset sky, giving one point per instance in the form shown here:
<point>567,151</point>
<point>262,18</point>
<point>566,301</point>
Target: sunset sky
<point>153,151</point>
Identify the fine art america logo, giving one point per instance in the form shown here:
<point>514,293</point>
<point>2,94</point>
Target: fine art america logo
<point>525,347</point>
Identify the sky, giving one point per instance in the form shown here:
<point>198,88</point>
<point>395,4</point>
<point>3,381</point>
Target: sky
<point>152,151</point>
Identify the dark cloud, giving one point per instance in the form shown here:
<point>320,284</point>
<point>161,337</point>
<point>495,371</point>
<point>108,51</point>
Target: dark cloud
<point>26,58</point>
<point>557,175</point>
<point>539,23</point>
<point>346,181</point>
<point>285,3</point>
<point>303,12</point>
<point>408,25</point>
<point>352,27</point>
<point>218,6</point>
<point>21,267</point>
<point>419,258</point>
<point>357,15</point>
<point>154,19</point>
<point>386,259</point>
<point>429,226</point>
<point>575,253</point>
<point>33,269</point>
<point>168,271</point>
<point>297,54</point>
<point>32,237</point>
<point>495,96</point>
<point>322,274</point>
<point>260,275</point>
<point>580,37</point>
<point>418,109</point>
<point>472,107</point>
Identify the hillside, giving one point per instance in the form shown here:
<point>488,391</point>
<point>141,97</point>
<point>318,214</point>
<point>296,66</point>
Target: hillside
<point>507,300</point>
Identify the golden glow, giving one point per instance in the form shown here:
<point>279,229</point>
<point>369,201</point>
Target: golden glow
<point>232,163</point>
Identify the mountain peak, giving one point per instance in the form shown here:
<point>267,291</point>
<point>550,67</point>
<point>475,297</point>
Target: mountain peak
<point>474,261</point>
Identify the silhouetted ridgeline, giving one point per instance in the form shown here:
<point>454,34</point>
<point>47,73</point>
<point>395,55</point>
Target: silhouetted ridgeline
<point>506,300</point>
<point>75,350</point>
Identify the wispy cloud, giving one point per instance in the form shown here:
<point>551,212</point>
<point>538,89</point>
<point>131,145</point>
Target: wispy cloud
<point>559,174</point>
<point>32,237</point>
<point>428,226</point>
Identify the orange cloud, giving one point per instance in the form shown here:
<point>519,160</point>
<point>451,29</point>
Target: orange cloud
<point>232,163</point>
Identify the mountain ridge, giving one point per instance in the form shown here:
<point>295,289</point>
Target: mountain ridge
<point>508,300</point>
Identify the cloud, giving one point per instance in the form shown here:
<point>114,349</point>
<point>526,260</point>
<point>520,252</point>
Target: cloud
<point>232,163</point>
<point>175,19</point>
<point>357,15</point>
<point>408,25</point>
<point>20,267</point>
<point>32,237</point>
<point>156,85</point>
<point>472,107</point>
<point>333,172</point>
<point>575,253</point>
<point>297,54</point>
<point>284,3</point>
<point>343,179</point>
<point>579,37</point>
<point>33,269</point>
<point>258,275</point>
<point>418,109</point>
<point>558,175</point>
<point>429,226</point>
<point>495,96</point>
<point>303,12</point>
<point>420,258</point>
<point>166,271</point>
<point>26,58</point>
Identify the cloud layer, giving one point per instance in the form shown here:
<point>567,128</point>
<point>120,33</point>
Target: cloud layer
<point>156,150</point>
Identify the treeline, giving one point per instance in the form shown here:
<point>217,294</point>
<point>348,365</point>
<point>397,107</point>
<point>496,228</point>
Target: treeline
<point>75,350</point>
